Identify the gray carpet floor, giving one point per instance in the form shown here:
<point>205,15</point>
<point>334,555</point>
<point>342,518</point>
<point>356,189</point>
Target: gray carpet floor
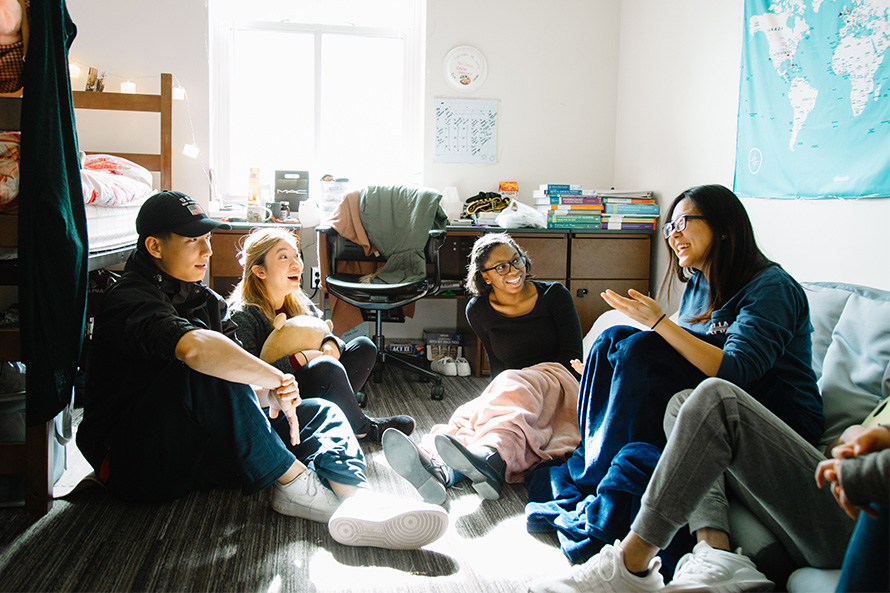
<point>218,540</point>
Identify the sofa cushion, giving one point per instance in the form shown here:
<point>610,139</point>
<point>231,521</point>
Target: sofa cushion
<point>856,368</point>
<point>826,304</point>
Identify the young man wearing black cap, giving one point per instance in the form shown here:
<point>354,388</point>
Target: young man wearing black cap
<point>169,406</point>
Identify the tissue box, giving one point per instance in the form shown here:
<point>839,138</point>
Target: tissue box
<point>406,346</point>
<point>442,342</point>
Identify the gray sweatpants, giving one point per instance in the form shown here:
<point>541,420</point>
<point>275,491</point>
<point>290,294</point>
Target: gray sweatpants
<point>718,435</point>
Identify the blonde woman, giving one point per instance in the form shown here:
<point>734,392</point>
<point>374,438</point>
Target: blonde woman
<point>270,284</point>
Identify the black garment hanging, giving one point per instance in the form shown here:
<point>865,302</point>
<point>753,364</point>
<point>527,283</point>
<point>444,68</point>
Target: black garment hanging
<point>52,220</point>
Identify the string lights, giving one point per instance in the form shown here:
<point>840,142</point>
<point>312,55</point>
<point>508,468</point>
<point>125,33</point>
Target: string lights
<point>128,86</point>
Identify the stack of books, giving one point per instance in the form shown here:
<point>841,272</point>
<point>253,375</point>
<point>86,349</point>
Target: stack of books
<point>569,206</point>
<point>628,210</point>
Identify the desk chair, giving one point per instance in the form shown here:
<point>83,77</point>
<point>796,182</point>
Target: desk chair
<point>378,300</point>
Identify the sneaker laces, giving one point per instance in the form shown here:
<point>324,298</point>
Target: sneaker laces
<point>330,496</point>
<point>694,564</point>
<point>604,564</point>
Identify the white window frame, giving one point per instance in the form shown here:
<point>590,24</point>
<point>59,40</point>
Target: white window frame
<point>223,24</point>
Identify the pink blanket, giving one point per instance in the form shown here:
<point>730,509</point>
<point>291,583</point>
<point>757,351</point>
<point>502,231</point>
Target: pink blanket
<point>529,415</point>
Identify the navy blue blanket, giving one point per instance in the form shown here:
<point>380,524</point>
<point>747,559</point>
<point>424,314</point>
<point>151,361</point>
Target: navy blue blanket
<point>629,377</point>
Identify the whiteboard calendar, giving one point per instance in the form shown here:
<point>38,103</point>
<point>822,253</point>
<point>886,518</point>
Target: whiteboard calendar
<point>466,131</point>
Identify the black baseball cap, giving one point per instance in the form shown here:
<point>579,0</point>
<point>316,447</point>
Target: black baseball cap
<point>174,212</point>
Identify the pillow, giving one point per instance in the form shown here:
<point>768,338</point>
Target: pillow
<point>856,369</point>
<point>826,304</point>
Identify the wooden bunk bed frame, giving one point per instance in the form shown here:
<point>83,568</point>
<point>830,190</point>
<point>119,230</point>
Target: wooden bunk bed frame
<point>34,457</point>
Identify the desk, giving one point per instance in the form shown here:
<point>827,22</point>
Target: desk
<point>225,271</point>
<point>587,263</point>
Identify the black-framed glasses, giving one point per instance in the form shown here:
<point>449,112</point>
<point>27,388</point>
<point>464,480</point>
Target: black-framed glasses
<point>678,224</point>
<point>520,263</point>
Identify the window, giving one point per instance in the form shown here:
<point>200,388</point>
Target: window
<point>325,86</point>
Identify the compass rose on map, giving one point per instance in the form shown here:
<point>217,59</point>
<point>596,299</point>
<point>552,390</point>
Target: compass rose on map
<point>755,160</point>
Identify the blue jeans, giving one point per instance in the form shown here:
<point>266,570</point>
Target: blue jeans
<point>327,444</point>
<point>195,431</point>
<point>865,563</point>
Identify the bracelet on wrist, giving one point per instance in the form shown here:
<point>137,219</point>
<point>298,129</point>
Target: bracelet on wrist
<point>659,320</point>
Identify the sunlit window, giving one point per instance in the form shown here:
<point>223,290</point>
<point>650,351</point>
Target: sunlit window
<point>326,86</point>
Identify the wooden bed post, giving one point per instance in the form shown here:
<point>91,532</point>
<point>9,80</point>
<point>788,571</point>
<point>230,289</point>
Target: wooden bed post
<point>166,131</point>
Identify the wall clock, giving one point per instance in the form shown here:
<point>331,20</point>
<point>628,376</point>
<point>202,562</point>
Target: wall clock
<point>465,68</point>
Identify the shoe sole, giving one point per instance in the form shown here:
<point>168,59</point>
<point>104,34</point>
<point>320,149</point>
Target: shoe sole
<point>455,459</point>
<point>739,586</point>
<point>408,530</point>
<point>402,457</point>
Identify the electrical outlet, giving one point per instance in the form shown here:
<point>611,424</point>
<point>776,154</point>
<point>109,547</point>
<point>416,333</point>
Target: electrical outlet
<point>314,278</point>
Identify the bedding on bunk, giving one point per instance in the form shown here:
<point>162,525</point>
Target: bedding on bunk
<point>114,189</point>
<point>110,227</point>
<point>106,180</point>
<point>10,157</point>
<point>112,181</point>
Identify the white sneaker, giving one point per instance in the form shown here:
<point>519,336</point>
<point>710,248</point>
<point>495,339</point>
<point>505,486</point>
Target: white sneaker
<point>376,520</point>
<point>710,569</point>
<point>463,367</point>
<point>604,573</point>
<point>444,366</point>
<point>305,497</point>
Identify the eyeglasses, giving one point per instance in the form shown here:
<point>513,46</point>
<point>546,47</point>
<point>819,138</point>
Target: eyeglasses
<point>678,224</point>
<point>520,263</point>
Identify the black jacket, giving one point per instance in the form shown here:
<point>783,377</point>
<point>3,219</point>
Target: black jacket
<point>139,323</point>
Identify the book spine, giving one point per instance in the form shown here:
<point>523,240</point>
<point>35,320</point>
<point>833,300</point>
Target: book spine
<point>571,218</point>
<point>560,187</point>
<point>572,208</point>
<point>626,226</point>
<point>590,201</point>
<point>632,208</point>
<point>610,200</point>
<point>573,225</point>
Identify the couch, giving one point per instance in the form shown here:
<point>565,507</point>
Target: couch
<point>851,359</point>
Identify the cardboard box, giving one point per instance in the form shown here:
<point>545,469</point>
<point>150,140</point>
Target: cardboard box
<point>406,346</point>
<point>443,342</point>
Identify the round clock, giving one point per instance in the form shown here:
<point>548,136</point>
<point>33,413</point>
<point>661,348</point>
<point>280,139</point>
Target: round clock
<point>465,68</point>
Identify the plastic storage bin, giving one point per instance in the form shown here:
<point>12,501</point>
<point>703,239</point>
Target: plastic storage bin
<point>332,193</point>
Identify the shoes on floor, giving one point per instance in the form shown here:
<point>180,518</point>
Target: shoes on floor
<point>305,496</point>
<point>710,569</point>
<point>463,367</point>
<point>486,470</point>
<point>426,473</point>
<point>604,573</point>
<point>382,521</point>
<point>444,366</point>
<point>404,424</point>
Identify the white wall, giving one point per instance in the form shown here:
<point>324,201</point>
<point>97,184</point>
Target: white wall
<point>137,41</point>
<point>678,87</point>
<point>553,67</point>
<point>632,94</point>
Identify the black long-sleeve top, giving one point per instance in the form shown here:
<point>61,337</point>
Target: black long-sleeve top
<point>550,332</point>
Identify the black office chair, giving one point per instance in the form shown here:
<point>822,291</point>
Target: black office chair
<point>383,302</point>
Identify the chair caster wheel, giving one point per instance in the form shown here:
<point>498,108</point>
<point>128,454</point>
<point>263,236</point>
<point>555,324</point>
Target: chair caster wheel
<point>437,392</point>
<point>362,399</point>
